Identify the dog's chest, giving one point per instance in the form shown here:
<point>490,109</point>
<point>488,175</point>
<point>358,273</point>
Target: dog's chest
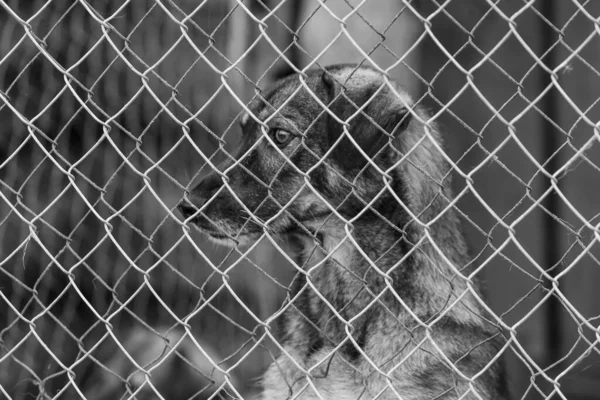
<point>331,376</point>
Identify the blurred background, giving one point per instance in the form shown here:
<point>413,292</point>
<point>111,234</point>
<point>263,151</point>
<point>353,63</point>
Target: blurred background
<point>110,109</point>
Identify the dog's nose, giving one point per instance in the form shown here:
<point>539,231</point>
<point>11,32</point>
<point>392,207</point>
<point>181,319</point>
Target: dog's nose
<point>186,208</point>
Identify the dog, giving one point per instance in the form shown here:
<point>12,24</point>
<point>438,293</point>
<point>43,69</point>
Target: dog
<point>343,166</point>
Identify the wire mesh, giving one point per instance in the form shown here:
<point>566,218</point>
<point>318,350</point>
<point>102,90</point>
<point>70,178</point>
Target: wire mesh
<point>111,112</point>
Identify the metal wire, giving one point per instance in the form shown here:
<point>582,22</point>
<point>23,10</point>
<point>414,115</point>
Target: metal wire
<point>109,111</point>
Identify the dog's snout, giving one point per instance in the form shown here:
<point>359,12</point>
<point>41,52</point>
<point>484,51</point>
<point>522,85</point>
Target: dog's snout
<point>186,208</point>
<point>208,186</point>
<point>205,191</point>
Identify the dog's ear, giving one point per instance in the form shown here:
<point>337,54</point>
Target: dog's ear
<point>332,87</point>
<point>396,118</point>
<point>384,118</point>
<point>345,153</point>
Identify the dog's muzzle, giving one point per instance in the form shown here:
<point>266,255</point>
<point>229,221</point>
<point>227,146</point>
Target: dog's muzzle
<point>201,194</point>
<point>190,211</point>
<point>187,209</point>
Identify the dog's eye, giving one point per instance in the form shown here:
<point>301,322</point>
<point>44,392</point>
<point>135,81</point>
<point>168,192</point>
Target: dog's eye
<point>282,137</point>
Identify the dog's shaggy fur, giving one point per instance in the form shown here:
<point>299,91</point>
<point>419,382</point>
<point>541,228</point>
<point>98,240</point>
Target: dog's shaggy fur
<point>350,172</point>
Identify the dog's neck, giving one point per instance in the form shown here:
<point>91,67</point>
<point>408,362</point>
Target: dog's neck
<point>397,267</point>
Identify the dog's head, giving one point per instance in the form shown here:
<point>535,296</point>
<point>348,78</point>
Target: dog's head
<point>329,146</point>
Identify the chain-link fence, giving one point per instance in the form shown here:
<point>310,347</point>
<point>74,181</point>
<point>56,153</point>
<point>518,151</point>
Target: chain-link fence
<point>111,111</point>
